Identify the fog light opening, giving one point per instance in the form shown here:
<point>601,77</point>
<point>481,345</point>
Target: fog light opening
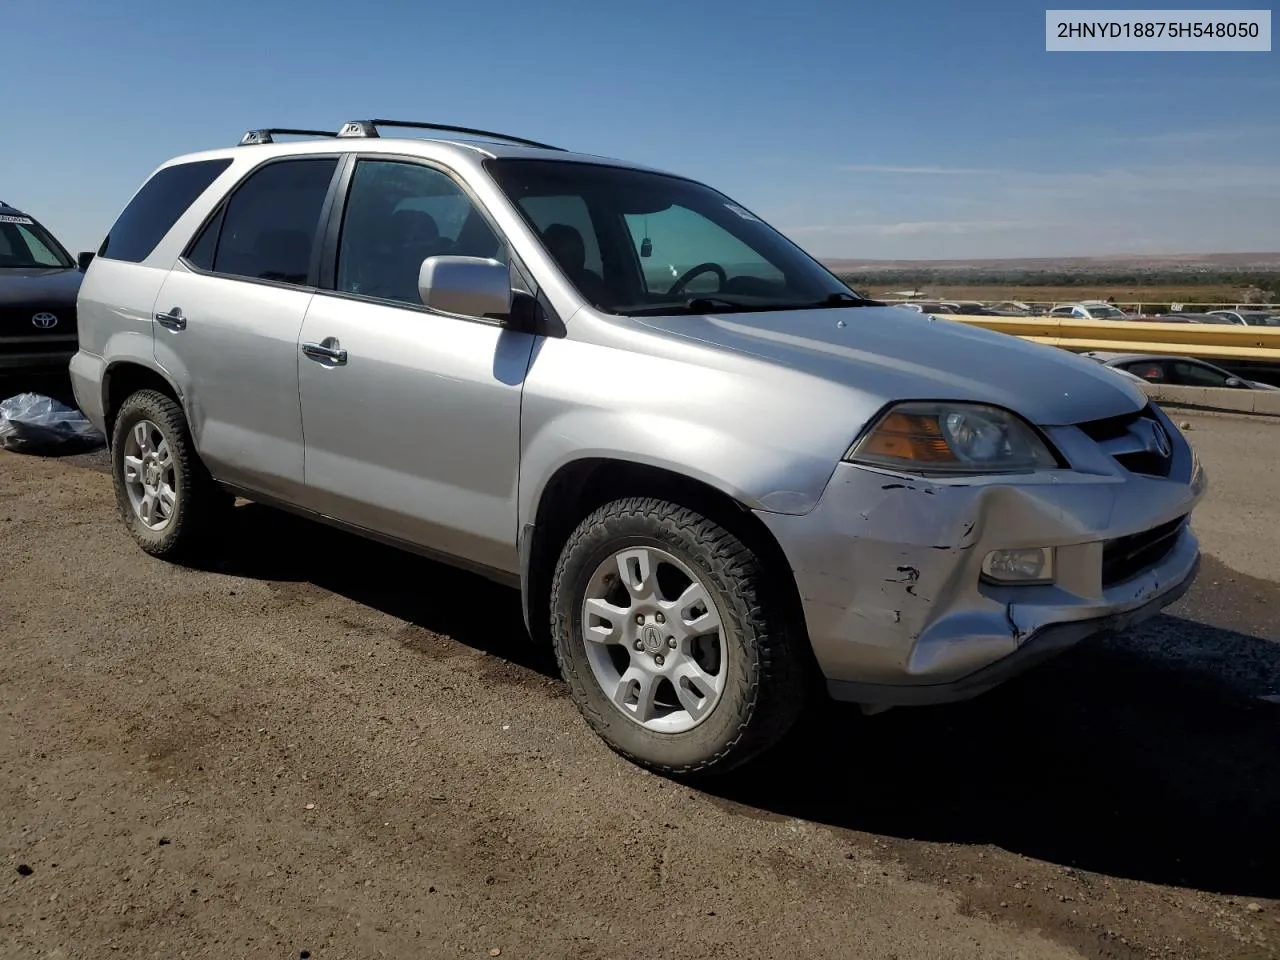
<point>1028,565</point>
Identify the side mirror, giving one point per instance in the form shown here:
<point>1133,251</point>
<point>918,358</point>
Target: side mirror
<point>83,259</point>
<point>470,286</point>
<point>1235,382</point>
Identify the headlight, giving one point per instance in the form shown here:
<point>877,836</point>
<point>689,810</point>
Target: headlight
<point>960,438</point>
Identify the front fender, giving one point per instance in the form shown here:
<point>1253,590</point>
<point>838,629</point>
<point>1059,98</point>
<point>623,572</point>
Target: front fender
<point>750,470</point>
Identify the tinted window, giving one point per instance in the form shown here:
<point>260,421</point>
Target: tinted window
<point>556,213</point>
<point>206,244</point>
<point>156,207</point>
<point>397,215</point>
<point>268,231</point>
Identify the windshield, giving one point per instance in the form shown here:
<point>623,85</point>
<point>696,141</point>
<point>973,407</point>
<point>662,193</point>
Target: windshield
<point>24,243</point>
<point>634,242</point>
<point>1107,313</point>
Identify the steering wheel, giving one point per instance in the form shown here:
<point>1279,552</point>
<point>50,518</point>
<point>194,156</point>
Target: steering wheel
<point>679,285</point>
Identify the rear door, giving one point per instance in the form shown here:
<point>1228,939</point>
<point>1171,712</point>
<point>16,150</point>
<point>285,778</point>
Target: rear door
<point>228,317</point>
<point>415,431</point>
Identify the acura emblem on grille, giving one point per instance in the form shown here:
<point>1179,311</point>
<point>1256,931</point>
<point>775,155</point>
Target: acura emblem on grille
<point>1161,439</point>
<point>1154,438</point>
<point>44,321</point>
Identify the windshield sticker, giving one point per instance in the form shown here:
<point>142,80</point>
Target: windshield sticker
<point>26,220</point>
<point>744,214</point>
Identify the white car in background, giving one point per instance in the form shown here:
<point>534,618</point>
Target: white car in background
<point>1089,310</point>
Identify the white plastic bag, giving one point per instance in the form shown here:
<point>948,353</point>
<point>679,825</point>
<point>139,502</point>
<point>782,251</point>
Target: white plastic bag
<point>34,423</point>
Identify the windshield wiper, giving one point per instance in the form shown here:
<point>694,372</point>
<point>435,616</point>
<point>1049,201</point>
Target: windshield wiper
<point>840,299</point>
<point>698,305</point>
<point>718,305</point>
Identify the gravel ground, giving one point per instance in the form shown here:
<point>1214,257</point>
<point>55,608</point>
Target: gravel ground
<point>323,748</point>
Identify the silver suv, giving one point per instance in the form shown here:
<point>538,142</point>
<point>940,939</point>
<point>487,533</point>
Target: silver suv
<point>720,478</point>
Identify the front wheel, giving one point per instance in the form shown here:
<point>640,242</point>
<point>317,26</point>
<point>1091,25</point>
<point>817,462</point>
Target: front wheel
<point>671,649</point>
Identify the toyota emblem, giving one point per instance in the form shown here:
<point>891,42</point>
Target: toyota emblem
<point>44,321</point>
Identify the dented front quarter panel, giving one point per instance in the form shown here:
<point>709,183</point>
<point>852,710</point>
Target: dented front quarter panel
<point>889,566</point>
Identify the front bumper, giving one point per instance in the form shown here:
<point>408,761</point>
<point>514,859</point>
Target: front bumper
<point>889,569</point>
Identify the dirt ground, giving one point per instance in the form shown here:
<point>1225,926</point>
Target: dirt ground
<point>321,748</point>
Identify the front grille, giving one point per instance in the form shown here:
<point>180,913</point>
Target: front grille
<point>1138,441</point>
<point>37,346</point>
<point>1126,557</point>
<point>1110,428</point>
<point>1145,463</point>
<point>16,321</point>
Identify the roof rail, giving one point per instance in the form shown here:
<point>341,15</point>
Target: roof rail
<point>369,128</point>
<point>266,134</point>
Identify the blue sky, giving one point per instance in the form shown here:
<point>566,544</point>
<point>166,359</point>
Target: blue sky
<point>930,130</point>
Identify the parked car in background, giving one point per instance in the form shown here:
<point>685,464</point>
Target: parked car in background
<point>930,306</point>
<point>1249,318</point>
<point>716,500</point>
<point>1176,371</point>
<point>39,282</point>
<point>1185,316</point>
<point>1089,310</point>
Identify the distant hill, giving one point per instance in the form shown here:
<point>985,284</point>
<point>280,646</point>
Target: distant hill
<point>1138,263</point>
<point>1191,277</point>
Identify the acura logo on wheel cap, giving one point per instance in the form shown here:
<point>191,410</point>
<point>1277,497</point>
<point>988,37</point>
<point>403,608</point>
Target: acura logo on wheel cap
<point>652,639</point>
<point>44,321</point>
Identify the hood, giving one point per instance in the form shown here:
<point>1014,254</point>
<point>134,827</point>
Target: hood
<point>39,286</point>
<point>888,354</point>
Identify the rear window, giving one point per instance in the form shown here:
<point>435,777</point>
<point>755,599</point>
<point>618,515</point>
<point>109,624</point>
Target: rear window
<point>156,208</point>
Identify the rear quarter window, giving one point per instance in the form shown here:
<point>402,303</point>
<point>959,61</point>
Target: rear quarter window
<point>156,208</point>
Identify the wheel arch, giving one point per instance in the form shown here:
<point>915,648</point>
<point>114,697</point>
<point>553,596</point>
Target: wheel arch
<point>581,486</point>
<point>122,378</point>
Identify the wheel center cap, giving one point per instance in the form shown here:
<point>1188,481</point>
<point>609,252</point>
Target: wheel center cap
<point>652,638</point>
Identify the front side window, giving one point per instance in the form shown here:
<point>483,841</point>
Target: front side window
<point>24,243</point>
<point>1147,370</point>
<point>397,215</point>
<point>267,230</point>
<point>635,243</point>
<point>156,208</point>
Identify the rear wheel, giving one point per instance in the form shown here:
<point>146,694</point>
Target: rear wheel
<point>669,646</point>
<point>166,497</point>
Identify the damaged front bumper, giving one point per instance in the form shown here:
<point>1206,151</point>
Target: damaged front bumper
<point>889,569</point>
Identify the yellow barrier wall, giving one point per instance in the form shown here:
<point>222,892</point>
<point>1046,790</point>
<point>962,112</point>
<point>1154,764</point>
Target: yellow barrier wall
<point>1212,341</point>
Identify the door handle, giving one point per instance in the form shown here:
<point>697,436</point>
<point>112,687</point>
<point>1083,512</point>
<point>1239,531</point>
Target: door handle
<point>327,351</point>
<point>174,319</point>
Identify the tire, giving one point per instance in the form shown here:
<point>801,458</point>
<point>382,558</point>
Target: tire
<point>760,671</point>
<point>195,502</point>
